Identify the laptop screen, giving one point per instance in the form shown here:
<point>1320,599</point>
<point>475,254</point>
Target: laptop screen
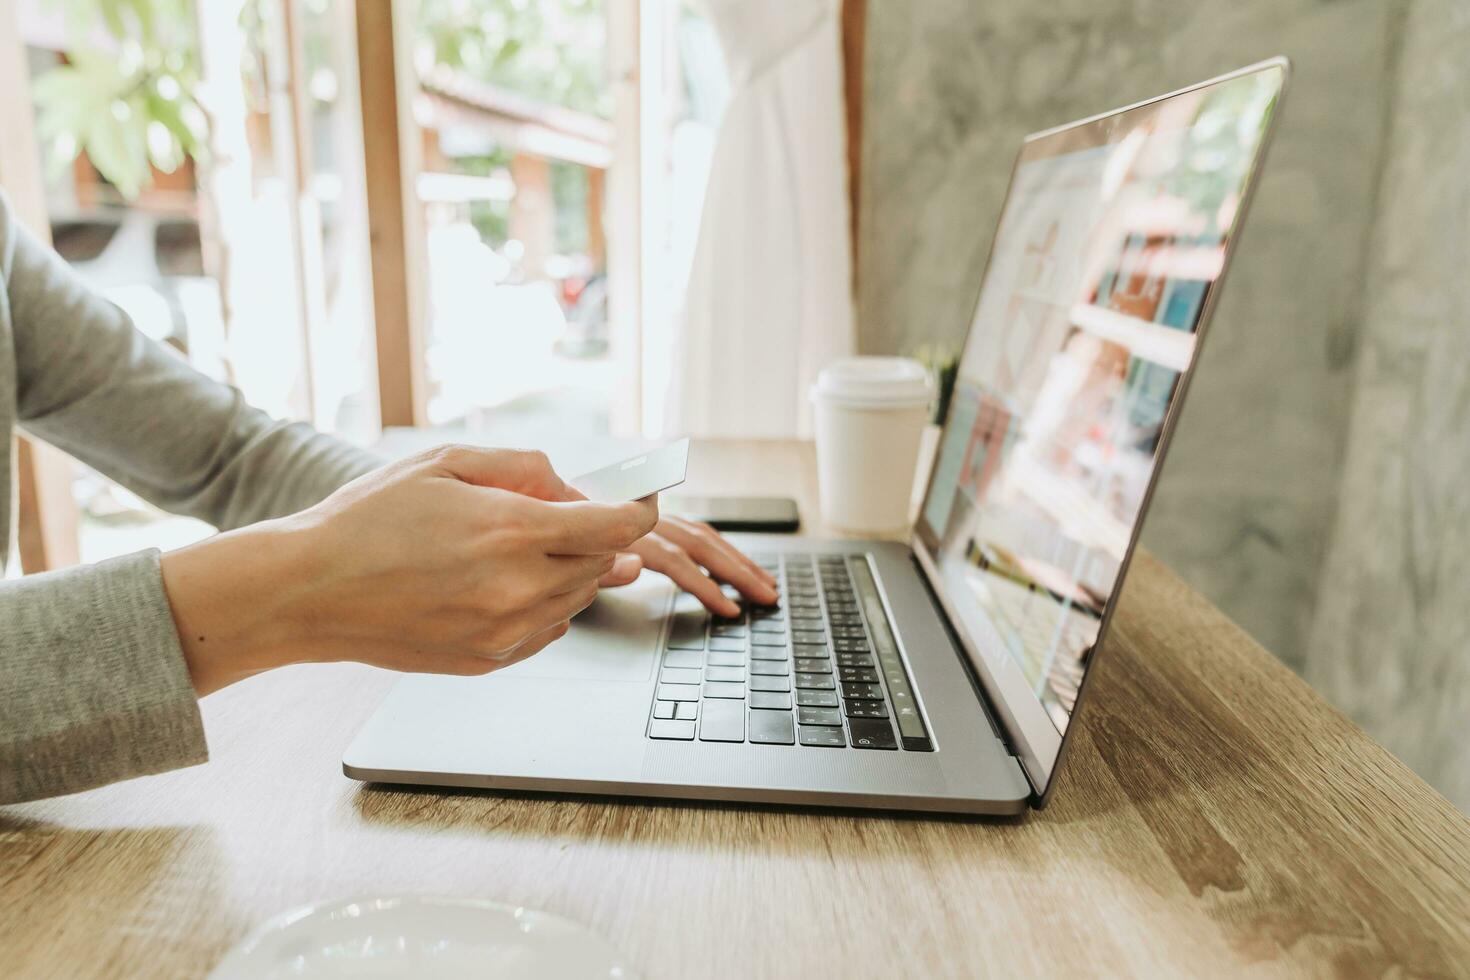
<point>1113,236</point>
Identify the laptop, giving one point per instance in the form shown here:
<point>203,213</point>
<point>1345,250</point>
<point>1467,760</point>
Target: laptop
<point>943,674</point>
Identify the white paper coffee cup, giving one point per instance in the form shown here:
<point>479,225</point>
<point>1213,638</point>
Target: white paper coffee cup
<point>869,414</point>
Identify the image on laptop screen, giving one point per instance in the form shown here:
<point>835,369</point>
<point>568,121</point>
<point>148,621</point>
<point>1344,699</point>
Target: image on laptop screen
<point>1113,235</point>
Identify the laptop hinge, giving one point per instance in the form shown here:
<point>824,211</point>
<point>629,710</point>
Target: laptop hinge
<point>992,714</point>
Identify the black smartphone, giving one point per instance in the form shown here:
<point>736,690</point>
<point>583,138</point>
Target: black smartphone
<point>736,513</point>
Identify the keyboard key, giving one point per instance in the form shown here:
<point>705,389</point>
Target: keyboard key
<point>859,675</point>
<point>769,640</point>
<point>770,699</point>
<point>767,653</point>
<point>840,633</point>
<point>686,710</point>
<point>679,675</point>
<point>813,665</point>
<point>722,659</point>
<point>663,709</point>
<point>871,733</point>
<point>865,709</point>
<point>811,735</point>
<point>816,699</point>
<point>854,660</point>
<point>863,692</point>
<point>724,689</point>
<point>811,649</point>
<point>847,645</point>
<point>724,673</point>
<point>771,728</point>
<point>687,632</point>
<point>722,721</point>
<point>727,631</point>
<point>770,668</point>
<point>768,626</point>
<point>816,682</point>
<point>807,623</point>
<point>683,730</point>
<point>844,619</point>
<point>770,683</point>
<point>684,658</point>
<point>808,636</point>
<point>678,692</point>
<point>726,643</point>
<point>819,716</point>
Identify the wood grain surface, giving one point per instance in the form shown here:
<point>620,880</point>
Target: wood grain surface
<point>1215,817</point>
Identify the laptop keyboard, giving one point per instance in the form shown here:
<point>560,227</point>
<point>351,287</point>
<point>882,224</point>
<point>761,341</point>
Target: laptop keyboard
<point>819,670</point>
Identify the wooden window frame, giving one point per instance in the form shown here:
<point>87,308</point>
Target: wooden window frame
<point>397,260</point>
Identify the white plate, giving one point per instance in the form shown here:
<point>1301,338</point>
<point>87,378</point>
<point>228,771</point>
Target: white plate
<point>433,938</point>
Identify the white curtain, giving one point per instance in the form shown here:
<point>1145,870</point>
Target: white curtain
<point>769,295</point>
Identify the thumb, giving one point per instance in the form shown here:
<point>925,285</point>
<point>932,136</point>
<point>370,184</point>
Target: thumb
<point>523,471</point>
<point>625,571</point>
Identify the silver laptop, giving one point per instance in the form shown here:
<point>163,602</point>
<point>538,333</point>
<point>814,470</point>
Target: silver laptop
<point>942,675</point>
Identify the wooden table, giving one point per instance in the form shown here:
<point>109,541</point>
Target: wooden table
<point>1215,817</point>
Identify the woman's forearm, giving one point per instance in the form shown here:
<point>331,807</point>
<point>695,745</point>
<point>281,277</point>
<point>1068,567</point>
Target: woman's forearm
<point>237,601</point>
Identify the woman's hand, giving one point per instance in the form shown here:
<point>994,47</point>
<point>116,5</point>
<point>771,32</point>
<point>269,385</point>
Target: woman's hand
<point>459,560</point>
<point>695,556</point>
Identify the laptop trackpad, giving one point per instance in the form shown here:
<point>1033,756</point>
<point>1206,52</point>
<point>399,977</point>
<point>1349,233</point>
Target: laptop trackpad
<point>615,639</point>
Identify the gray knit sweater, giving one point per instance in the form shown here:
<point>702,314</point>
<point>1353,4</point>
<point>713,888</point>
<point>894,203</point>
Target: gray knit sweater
<point>93,685</point>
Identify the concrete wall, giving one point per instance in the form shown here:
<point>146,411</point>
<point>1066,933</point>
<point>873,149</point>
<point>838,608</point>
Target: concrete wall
<point>1249,500</point>
<point>1391,639</point>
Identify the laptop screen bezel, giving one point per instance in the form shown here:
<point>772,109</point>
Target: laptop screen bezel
<point>1033,743</point>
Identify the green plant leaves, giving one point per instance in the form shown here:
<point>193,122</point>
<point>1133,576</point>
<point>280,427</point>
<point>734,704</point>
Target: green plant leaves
<point>126,105</point>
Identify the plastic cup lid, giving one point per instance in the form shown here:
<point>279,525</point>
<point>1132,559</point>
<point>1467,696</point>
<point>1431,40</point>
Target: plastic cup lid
<point>875,381</point>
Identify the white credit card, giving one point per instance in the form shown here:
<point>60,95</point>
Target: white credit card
<point>642,476</point>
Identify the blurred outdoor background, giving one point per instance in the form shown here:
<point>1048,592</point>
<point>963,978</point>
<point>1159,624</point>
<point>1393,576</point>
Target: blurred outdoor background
<point>204,169</point>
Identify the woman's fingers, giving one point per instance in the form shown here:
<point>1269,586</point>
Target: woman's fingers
<point>662,555</point>
<point>567,572</point>
<point>724,560</point>
<point>523,471</point>
<point>710,534</point>
<point>536,644</point>
<point>585,528</point>
<point>542,616</point>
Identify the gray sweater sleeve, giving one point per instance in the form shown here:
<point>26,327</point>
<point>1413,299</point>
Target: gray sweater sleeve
<point>93,684</point>
<point>89,383</point>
